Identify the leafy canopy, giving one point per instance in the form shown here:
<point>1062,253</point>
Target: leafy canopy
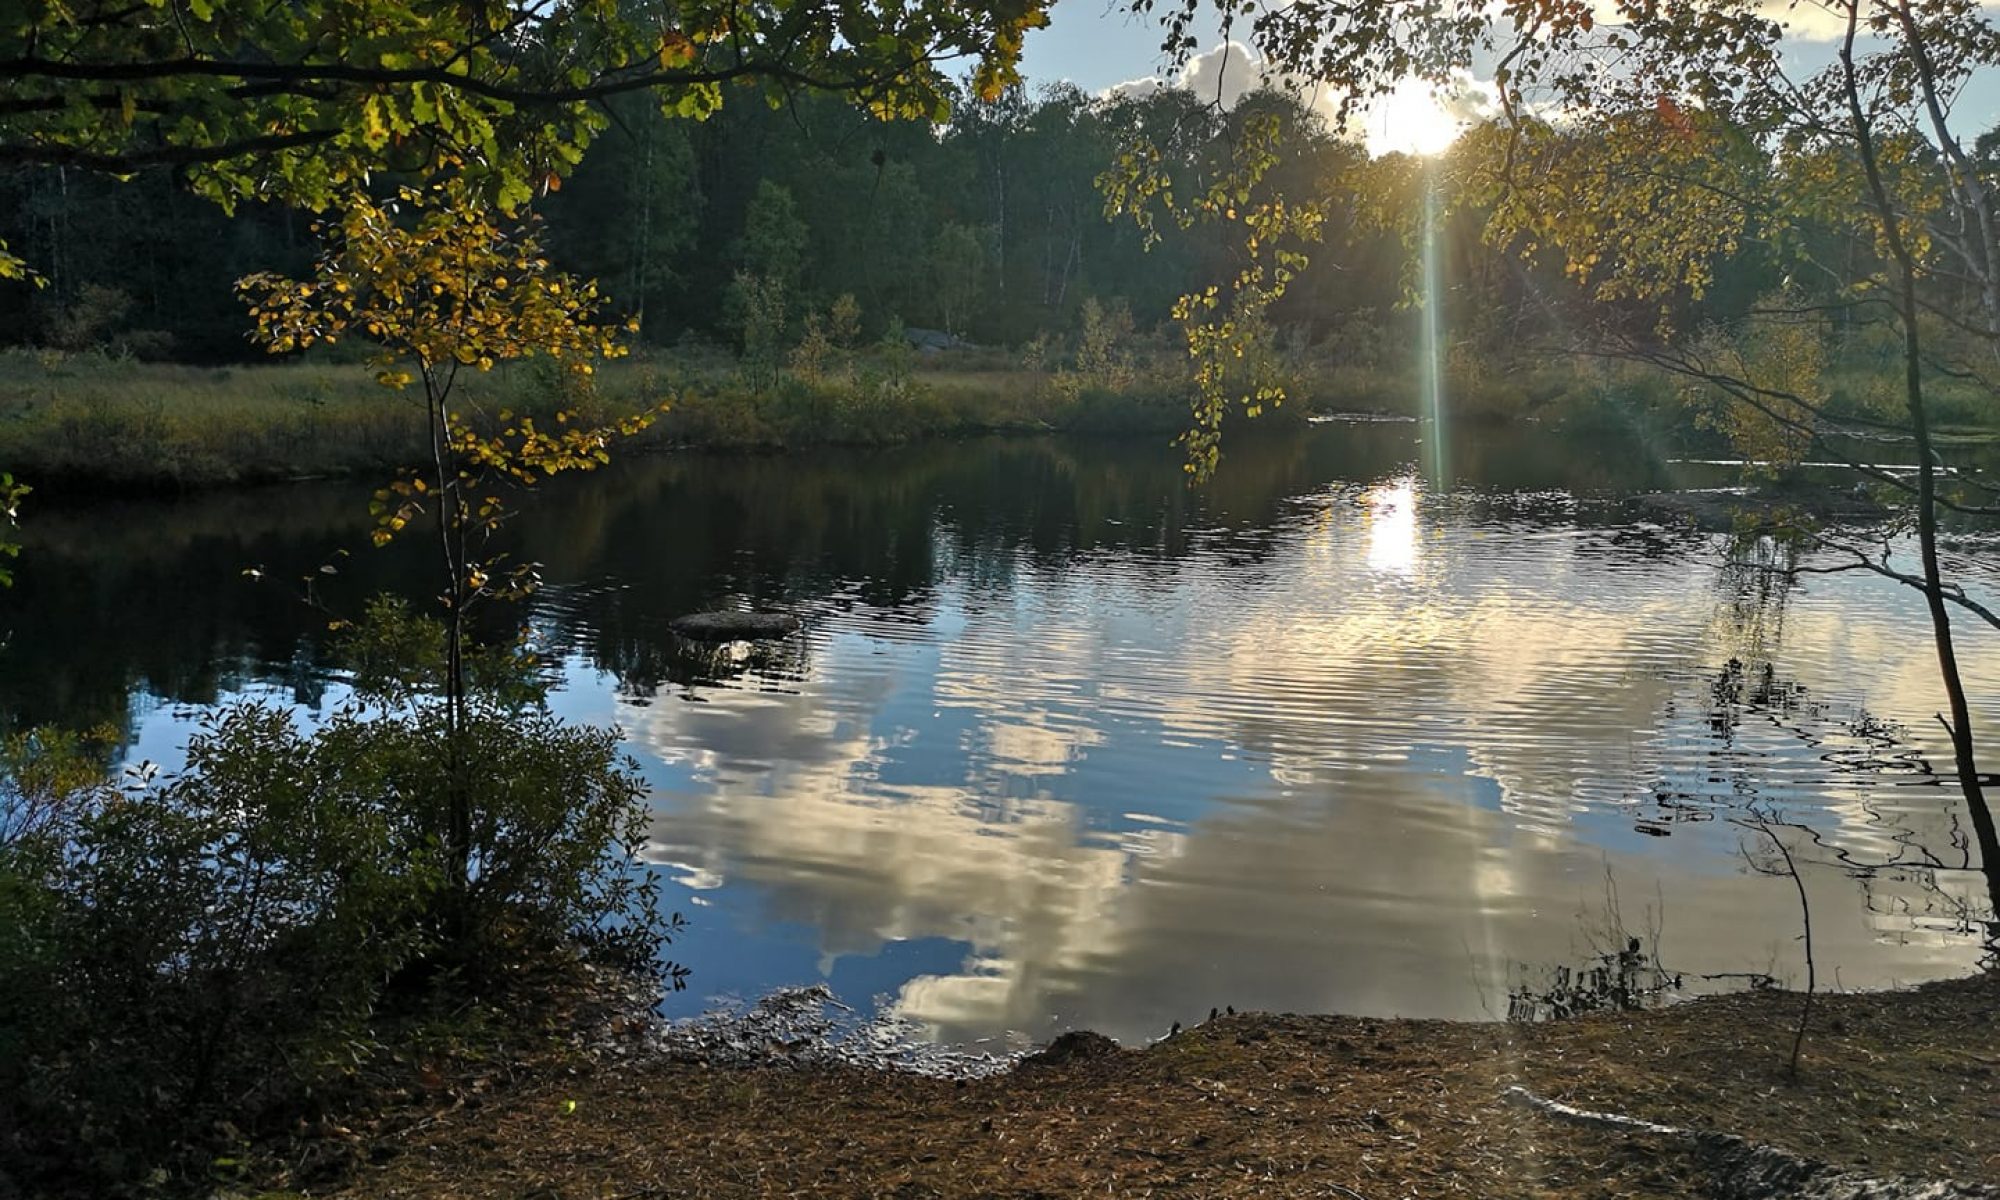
<point>300,101</point>
<point>447,286</point>
<point>1228,330</point>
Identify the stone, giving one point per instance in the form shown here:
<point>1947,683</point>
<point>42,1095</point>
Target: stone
<point>734,626</point>
<point>1076,1046</point>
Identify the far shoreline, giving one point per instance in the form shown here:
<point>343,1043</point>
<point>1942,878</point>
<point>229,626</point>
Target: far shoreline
<point>92,422</point>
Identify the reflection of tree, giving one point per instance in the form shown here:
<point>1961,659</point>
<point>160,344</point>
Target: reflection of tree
<point>1753,588</point>
<point>1738,690</point>
<point>1882,747</point>
<point>130,595</point>
<point>151,594</point>
<point>690,663</point>
<point>1915,865</point>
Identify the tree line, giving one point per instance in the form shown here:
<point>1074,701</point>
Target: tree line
<point>992,228</point>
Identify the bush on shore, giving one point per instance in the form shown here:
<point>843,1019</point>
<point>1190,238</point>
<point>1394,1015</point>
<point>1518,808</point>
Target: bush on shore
<point>189,961</point>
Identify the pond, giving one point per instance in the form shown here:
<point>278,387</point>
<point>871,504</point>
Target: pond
<point>1065,743</point>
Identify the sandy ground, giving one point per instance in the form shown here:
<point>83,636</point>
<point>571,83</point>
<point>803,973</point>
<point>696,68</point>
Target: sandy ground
<point>1901,1083</point>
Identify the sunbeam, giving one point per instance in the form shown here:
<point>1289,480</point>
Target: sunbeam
<point>1432,366</point>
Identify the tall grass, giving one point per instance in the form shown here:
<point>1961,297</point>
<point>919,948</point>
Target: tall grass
<point>99,421</point>
<point>77,420</point>
<point>88,418</point>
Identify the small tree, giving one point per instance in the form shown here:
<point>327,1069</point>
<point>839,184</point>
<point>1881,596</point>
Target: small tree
<point>828,345</point>
<point>958,261</point>
<point>440,288</point>
<point>759,307</point>
<point>1782,358</point>
<point>774,236</point>
<point>1103,357</point>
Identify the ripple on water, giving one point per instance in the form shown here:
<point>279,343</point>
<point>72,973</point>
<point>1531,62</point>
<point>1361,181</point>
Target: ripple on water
<point>1064,744</point>
<point>1359,760</point>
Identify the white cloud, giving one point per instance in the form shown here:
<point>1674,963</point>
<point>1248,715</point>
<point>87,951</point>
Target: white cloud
<point>1413,117</point>
<point>1225,74</point>
<point>1804,20</point>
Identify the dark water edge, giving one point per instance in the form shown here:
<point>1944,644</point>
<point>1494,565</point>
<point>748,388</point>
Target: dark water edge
<point>155,584</point>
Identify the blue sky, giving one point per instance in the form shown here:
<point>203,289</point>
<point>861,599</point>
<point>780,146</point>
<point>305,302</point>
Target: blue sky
<point>1095,44</point>
<point>1098,44</point>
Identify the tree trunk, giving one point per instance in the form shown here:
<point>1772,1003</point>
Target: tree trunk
<point>1959,721</point>
<point>458,804</point>
<point>1977,231</point>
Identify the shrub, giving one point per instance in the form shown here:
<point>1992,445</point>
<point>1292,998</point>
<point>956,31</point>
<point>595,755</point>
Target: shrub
<point>199,942</point>
<point>47,777</point>
<point>239,940</point>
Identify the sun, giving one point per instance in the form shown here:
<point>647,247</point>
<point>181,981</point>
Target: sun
<point>1411,120</point>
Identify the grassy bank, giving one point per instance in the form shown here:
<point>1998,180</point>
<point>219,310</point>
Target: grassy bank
<point>1896,1084</point>
<point>92,421</point>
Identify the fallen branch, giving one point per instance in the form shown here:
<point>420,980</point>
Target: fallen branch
<point>1747,1170</point>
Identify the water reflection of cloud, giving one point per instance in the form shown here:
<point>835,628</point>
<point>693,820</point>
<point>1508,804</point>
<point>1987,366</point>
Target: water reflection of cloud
<point>1389,897</point>
<point>1372,796</point>
<point>1032,745</point>
<point>865,866</point>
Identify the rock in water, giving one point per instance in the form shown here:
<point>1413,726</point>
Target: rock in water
<point>734,626</point>
<point>1075,1046</point>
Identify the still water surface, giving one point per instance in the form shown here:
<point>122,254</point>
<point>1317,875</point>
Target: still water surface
<point>1066,744</point>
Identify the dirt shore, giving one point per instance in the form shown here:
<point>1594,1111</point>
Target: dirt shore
<point>1892,1084</point>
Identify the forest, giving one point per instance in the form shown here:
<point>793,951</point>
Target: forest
<point>992,228</point>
